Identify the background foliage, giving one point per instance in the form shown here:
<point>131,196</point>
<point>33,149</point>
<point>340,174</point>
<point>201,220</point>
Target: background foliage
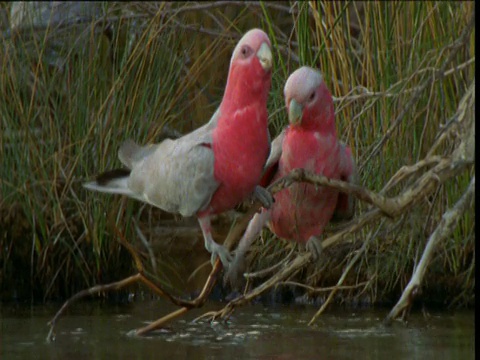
<point>71,94</point>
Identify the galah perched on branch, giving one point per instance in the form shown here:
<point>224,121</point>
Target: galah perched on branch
<point>301,211</point>
<point>215,167</point>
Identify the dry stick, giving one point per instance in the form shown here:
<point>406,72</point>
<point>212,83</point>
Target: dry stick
<point>138,264</point>
<point>387,205</point>
<point>462,122</point>
<point>444,170</point>
<point>157,11</point>
<point>365,93</point>
<point>187,305</point>
<point>91,291</point>
<point>147,245</point>
<point>444,229</point>
<point>198,302</point>
<point>139,277</point>
<point>155,325</point>
<point>265,272</point>
<point>297,263</point>
<point>232,237</point>
<point>405,171</point>
<point>464,115</point>
<point>215,4</point>
<point>344,275</point>
<point>325,289</point>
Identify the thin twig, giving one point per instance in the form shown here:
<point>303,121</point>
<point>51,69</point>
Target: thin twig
<point>88,292</point>
<point>147,246</point>
<point>444,229</point>
<point>344,274</point>
<point>265,272</point>
<point>365,93</point>
<point>324,289</point>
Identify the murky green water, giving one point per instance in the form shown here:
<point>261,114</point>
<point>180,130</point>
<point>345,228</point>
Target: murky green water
<point>93,331</point>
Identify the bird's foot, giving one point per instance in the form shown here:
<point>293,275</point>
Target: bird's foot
<point>314,245</point>
<point>264,196</point>
<point>234,275</point>
<point>219,251</point>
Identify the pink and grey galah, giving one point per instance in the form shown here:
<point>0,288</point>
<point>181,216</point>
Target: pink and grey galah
<point>301,211</point>
<point>215,167</point>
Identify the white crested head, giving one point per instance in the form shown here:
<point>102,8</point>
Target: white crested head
<point>249,75</point>
<point>301,84</point>
<point>308,101</point>
<point>254,43</point>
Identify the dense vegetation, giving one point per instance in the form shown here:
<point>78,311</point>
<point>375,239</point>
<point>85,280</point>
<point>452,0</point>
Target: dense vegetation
<point>69,96</point>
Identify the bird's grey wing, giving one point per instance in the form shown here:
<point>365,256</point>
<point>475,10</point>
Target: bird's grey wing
<point>212,123</point>
<point>174,175</point>
<point>131,153</point>
<point>177,176</point>
<point>275,150</point>
<point>345,208</point>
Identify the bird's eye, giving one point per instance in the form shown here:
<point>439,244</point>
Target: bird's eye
<point>246,51</point>
<point>312,95</point>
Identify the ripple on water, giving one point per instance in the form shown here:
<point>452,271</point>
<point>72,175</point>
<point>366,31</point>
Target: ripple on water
<point>363,332</point>
<point>213,333</point>
<point>253,332</point>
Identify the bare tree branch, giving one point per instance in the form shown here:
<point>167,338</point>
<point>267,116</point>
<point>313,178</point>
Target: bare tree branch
<point>446,226</point>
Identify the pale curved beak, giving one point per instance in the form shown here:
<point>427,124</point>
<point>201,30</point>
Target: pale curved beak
<point>264,54</point>
<point>295,112</point>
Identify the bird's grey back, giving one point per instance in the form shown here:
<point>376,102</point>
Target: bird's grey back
<point>174,175</point>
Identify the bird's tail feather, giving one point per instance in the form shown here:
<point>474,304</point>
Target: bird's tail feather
<point>113,182</point>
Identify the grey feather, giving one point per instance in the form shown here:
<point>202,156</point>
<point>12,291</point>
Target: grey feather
<point>174,175</point>
<point>275,150</point>
<point>114,186</point>
<point>348,212</point>
<point>130,151</point>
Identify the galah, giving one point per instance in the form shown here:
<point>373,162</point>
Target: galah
<point>301,211</point>
<point>215,167</point>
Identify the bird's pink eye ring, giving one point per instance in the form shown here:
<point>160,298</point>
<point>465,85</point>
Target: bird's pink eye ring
<point>246,51</point>
<point>312,95</point>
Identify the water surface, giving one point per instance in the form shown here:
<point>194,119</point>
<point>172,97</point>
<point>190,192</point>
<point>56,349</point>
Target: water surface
<point>100,331</point>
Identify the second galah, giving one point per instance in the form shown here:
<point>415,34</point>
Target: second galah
<point>301,211</point>
<point>215,167</point>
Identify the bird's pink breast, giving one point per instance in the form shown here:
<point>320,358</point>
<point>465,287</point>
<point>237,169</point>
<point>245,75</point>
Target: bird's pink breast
<point>241,149</point>
<point>303,210</point>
